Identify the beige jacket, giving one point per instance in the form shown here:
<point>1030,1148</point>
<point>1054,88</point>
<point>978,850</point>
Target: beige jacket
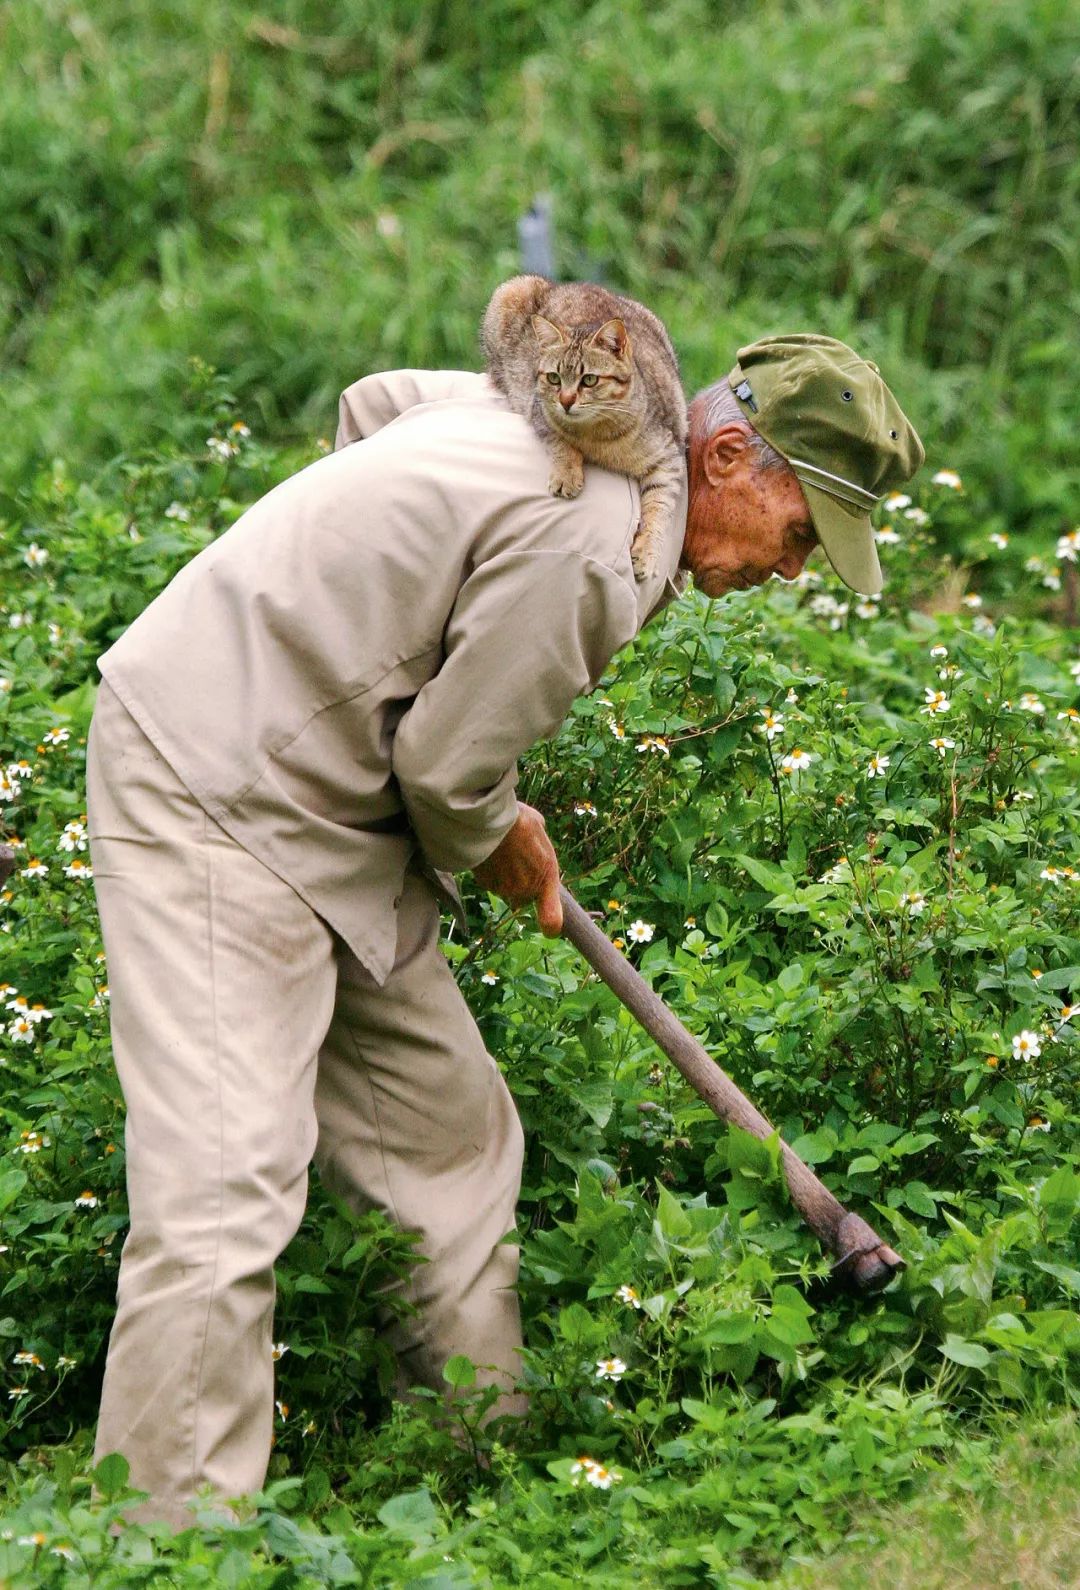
<point>351,670</point>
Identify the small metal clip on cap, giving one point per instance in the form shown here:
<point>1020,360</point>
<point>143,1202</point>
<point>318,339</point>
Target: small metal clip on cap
<point>745,395</point>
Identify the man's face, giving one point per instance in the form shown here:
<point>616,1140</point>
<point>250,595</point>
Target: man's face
<point>742,525</point>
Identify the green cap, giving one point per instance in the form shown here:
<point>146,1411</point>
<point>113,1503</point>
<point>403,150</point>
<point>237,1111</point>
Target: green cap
<point>848,441</point>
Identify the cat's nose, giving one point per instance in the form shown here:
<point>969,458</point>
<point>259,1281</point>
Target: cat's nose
<point>567,399</point>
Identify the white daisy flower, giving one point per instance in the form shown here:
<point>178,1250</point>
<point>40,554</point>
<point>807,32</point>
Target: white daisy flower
<point>594,1473</point>
<point>772,724</point>
<point>887,536</point>
<point>584,809</point>
<point>177,510</point>
<point>628,1294</point>
<point>73,837</point>
<point>1029,702</point>
<point>278,1350</point>
<point>35,556</point>
<point>86,1200</point>
<point>913,902</point>
<point>942,743</point>
<point>491,978</point>
<point>997,539</point>
<point>79,869</point>
<point>1068,546</point>
<point>610,1369</point>
<point>936,702</point>
<point>35,869</point>
<point>56,736</point>
<point>21,1030</point>
<point>917,516</point>
<point>796,761</point>
<point>219,447</point>
<point>972,600</point>
<point>33,1143</point>
<point>1026,1045</point>
<point>876,766</point>
<point>947,477</point>
<point>895,501</point>
<point>640,932</point>
<point>939,651</point>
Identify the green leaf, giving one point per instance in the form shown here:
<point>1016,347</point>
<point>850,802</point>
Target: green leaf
<point>12,1182</point>
<point>576,1324</point>
<point>459,1371</point>
<point>772,878</point>
<point>960,1351</point>
<point>1059,1195</point>
<point>815,1148</point>
<point>412,1514</point>
<point>728,1328</point>
<point>311,1283</point>
<point>111,1475</point>
<point>864,1163</point>
<point>917,1196</point>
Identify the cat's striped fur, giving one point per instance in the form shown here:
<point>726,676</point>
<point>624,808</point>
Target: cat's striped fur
<point>598,378</point>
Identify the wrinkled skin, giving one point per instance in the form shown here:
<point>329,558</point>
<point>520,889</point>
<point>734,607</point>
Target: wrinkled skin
<point>742,526</point>
<point>523,867</point>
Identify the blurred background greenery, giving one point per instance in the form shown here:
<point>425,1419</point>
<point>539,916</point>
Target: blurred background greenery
<point>301,192</point>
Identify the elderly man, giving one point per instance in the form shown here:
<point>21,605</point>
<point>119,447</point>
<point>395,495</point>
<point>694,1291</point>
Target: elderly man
<point>294,748</point>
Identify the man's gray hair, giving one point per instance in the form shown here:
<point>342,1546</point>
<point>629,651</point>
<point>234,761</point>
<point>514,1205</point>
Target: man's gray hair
<point>715,406</point>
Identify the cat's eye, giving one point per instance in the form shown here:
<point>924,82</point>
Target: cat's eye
<point>554,377</point>
<point>589,380</point>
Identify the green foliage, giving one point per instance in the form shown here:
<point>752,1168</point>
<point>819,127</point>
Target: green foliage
<point>330,190</point>
<point>887,964</point>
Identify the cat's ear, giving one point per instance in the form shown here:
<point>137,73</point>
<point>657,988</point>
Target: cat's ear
<point>613,336</point>
<point>548,334</point>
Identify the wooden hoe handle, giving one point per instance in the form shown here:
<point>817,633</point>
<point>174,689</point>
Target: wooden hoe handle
<point>862,1257</point>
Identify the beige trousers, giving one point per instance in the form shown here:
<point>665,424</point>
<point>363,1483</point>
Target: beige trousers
<point>248,1040</point>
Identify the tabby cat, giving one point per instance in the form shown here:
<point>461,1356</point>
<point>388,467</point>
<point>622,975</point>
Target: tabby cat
<point>598,378</point>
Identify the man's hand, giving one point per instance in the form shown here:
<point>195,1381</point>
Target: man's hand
<point>523,867</point>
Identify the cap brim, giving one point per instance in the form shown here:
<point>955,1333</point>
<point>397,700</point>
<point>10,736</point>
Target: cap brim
<point>848,539</point>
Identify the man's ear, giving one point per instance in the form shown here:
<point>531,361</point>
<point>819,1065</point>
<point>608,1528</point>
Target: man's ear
<point>724,450</point>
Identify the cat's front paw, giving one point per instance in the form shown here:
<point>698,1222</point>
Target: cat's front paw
<point>566,478</point>
<point>645,554</point>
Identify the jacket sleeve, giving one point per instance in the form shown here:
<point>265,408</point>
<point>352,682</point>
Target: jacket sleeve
<point>375,400</point>
<point>529,632</point>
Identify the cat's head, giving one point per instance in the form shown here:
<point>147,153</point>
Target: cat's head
<point>582,372</point>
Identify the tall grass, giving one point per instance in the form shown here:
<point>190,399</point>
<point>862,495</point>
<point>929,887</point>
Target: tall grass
<point>307,192</point>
